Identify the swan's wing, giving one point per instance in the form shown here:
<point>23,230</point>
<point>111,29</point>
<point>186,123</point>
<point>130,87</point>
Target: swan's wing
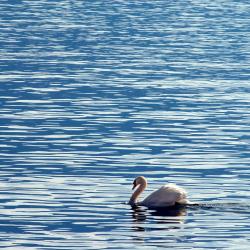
<point>167,195</point>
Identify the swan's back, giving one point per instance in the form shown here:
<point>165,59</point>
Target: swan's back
<point>167,195</point>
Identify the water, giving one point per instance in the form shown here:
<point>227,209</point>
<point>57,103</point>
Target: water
<point>94,93</point>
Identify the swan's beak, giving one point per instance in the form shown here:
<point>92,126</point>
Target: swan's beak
<point>134,185</point>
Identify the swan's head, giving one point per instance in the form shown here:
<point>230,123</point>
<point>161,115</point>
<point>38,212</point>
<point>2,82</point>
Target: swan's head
<point>139,181</point>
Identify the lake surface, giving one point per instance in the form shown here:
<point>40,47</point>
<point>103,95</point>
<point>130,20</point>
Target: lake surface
<point>95,93</point>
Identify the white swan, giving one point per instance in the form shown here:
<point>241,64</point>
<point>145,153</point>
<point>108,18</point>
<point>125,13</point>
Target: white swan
<point>167,195</point>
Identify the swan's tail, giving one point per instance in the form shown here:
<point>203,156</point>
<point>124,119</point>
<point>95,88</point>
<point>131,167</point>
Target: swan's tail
<point>185,202</point>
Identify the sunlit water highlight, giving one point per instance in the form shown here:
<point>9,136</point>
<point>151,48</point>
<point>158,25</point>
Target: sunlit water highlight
<point>95,93</point>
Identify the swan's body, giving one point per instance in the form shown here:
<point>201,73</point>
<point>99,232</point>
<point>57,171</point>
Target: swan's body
<point>167,195</point>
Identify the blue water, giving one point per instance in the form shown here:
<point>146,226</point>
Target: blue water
<point>94,93</point>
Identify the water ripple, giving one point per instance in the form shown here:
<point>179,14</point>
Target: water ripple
<point>94,94</point>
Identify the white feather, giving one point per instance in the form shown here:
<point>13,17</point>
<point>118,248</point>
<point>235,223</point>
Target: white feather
<point>165,196</point>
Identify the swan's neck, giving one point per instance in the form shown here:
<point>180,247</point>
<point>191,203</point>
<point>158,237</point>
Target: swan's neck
<point>137,192</point>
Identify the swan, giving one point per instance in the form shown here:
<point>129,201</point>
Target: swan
<point>166,196</point>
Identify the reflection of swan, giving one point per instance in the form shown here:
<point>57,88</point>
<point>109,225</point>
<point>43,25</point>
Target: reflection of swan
<point>167,195</point>
<point>168,218</point>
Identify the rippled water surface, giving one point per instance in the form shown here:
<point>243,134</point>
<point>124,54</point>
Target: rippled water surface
<point>94,93</point>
